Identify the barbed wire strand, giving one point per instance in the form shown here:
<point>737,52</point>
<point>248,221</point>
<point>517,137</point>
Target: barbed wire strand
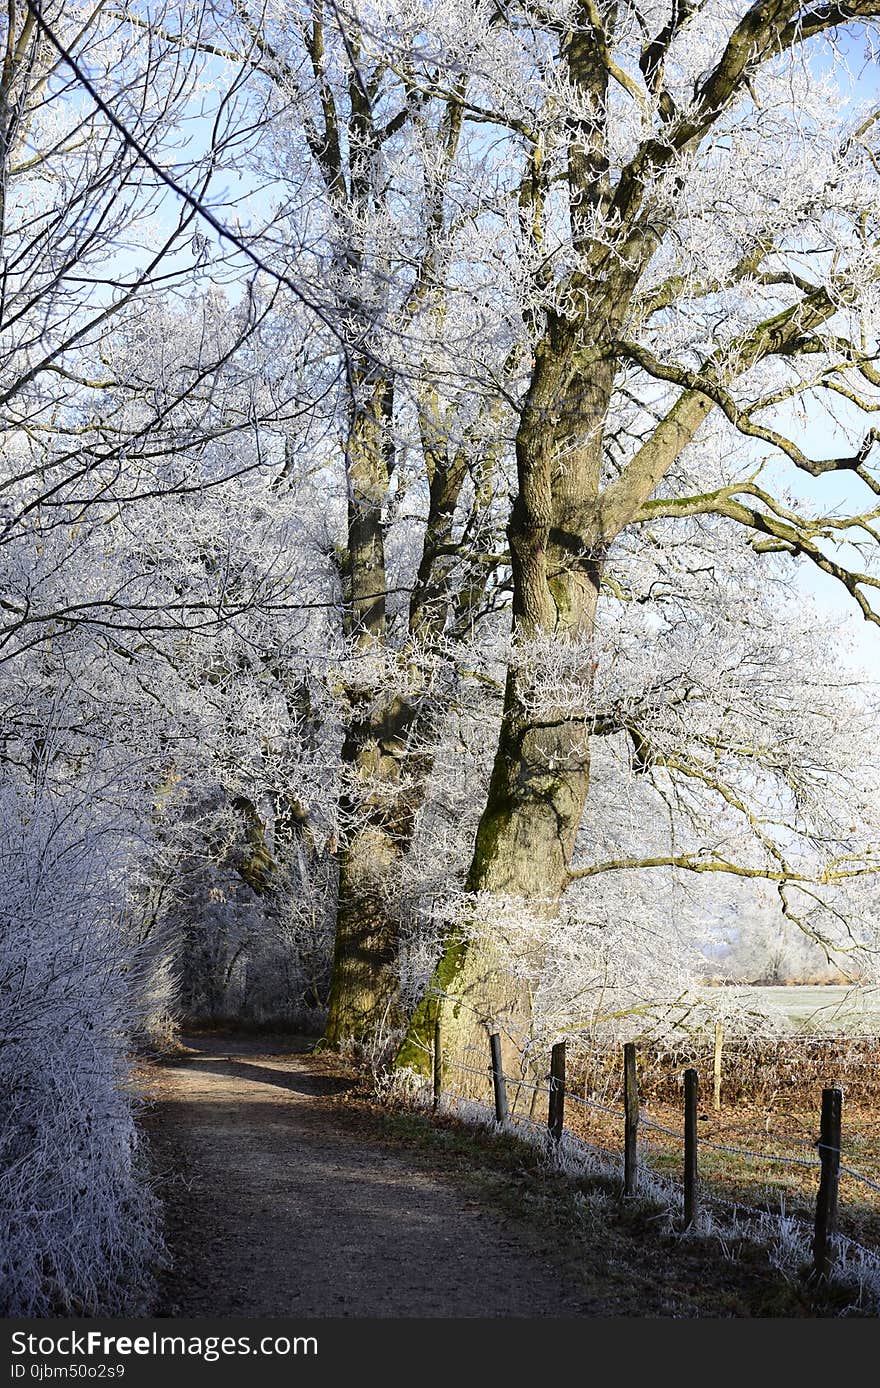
<point>669,1183</point>
<point>702,1142</point>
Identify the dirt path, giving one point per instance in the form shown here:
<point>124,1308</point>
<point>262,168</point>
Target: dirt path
<point>277,1205</point>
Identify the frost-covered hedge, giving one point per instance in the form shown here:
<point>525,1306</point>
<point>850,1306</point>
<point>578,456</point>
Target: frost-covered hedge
<point>78,1222</point>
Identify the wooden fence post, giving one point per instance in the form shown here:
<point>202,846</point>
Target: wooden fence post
<point>691,1090</point>
<point>438,1062</point>
<point>498,1082</point>
<point>556,1108</point>
<point>826,1199</point>
<point>716,1066</point>
<point>631,1121</point>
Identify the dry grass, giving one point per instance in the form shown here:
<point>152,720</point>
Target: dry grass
<point>771,1096</point>
<point>762,1072</point>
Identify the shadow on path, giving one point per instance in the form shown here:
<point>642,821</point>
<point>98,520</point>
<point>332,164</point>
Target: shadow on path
<point>314,1085</point>
<point>277,1205</point>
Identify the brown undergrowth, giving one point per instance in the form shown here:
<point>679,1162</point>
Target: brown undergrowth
<point>759,1147</point>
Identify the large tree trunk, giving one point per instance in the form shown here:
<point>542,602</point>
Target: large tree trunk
<point>363,985</point>
<point>379,811</point>
<point>369,464</point>
<point>363,993</point>
<point>523,849</point>
<point>540,777</point>
<point>389,779</point>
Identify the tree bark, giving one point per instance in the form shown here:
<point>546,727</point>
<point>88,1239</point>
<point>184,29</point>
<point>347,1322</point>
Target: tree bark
<point>363,991</point>
<point>363,982</point>
<point>379,756</point>
<point>541,772</point>
<point>369,463</point>
<point>524,845</point>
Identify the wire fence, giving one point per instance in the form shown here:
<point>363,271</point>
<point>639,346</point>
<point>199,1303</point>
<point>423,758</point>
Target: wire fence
<point>644,1122</point>
<point>826,1161</point>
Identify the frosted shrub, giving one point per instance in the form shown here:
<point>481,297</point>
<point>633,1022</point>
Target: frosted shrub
<point>78,1223</point>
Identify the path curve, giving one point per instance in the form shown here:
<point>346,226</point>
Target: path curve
<point>278,1206</point>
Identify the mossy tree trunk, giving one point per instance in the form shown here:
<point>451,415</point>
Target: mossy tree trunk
<point>363,993</point>
<point>384,782</point>
<point>386,752</point>
<point>363,985</point>
<point>559,538</point>
<point>540,776</point>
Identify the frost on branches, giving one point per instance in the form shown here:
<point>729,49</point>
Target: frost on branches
<point>733,765</point>
<point>132,390</point>
<point>418,422</point>
<point>80,1228</point>
<point>687,220</point>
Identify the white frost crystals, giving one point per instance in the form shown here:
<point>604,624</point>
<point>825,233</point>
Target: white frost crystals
<point>79,1227</point>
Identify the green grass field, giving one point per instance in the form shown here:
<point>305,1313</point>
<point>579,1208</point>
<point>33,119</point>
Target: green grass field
<point>824,1009</point>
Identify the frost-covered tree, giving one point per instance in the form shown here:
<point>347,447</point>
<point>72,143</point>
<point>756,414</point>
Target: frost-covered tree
<point>692,229</point>
<point>369,190</point>
<point>130,386</point>
<point>732,755</point>
<point>153,404</point>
